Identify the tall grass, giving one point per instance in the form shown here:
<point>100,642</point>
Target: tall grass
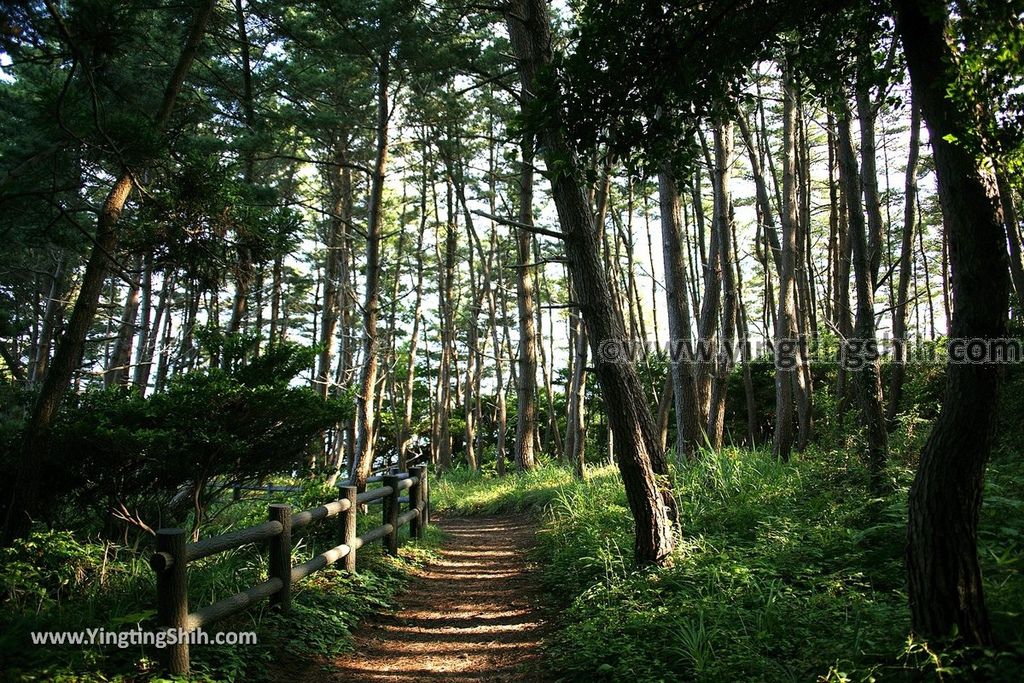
<point>464,492</point>
<point>783,572</point>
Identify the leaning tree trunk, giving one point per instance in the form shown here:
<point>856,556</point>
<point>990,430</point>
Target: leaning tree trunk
<point>35,444</point>
<point>945,586</point>
<point>636,439</point>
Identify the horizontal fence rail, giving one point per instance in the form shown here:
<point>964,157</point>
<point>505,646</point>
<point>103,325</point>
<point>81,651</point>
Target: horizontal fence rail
<point>173,554</point>
<point>237,488</point>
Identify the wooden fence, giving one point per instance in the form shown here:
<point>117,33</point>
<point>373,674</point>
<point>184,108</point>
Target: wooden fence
<point>170,561</point>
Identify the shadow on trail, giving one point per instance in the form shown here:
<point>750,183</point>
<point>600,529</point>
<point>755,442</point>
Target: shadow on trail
<point>470,616</point>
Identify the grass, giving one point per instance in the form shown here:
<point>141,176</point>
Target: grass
<point>464,492</point>
<point>55,582</point>
<point>783,572</point>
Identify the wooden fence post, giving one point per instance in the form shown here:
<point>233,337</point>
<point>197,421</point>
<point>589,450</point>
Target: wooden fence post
<point>172,597</point>
<point>425,497</point>
<point>416,501</point>
<point>281,556</point>
<point>348,528</point>
<point>391,513</point>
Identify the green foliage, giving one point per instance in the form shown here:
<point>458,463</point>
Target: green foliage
<point>783,572</point>
<point>208,426</point>
<point>57,581</point>
<point>464,492</point>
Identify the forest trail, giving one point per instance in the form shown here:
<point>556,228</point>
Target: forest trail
<point>472,615</point>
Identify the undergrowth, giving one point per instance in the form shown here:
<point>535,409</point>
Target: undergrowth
<point>464,492</point>
<point>52,581</point>
<point>783,572</point>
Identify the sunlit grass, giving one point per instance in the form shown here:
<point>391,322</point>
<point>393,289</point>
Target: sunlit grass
<point>782,572</point>
<point>464,492</point>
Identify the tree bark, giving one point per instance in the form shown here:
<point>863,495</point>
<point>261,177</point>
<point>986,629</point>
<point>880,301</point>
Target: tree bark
<point>727,257</point>
<point>899,318</point>
<point>861,353</point>
<point>869,172</point>
<point>1013,239</point>
<point>788,358</point>
<point>945,586</point>
<point>526,408</point>
<point>689,434</point>
<point>635,433</point>
<point>117,370</point>
<point>365,402</point>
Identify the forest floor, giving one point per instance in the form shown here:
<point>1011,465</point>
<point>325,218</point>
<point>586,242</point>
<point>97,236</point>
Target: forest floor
<point>474,614</point>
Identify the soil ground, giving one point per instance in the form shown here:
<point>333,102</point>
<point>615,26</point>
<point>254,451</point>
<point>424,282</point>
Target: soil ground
<point>473,615</point>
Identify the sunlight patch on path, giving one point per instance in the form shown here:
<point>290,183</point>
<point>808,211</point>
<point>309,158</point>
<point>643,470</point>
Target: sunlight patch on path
<point>472,615</point>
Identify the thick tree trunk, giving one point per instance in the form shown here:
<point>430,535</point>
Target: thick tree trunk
<point>945,586</point>
<point>639,458</point>
<point>35,443</point>
<point>526,409</point>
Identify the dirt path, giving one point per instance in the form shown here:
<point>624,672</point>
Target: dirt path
<point>473,615</point>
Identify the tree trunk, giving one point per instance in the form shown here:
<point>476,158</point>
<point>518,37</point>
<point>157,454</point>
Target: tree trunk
<point>526,415</point>
<point>51,312</point>
<point>118,367</point>
<point>576,431</point>
<point>945,585</point>
<point>861,353</point>
<point>869,172</point>
<point>899,318</point>
<point>365,402</point>
<point>727,257</point>
<point>788,371</point>
<point>339,183</point>
<point>689,434</point>
<point>639,458</point>
<point>444,374</point>
<point>1013,239</point>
